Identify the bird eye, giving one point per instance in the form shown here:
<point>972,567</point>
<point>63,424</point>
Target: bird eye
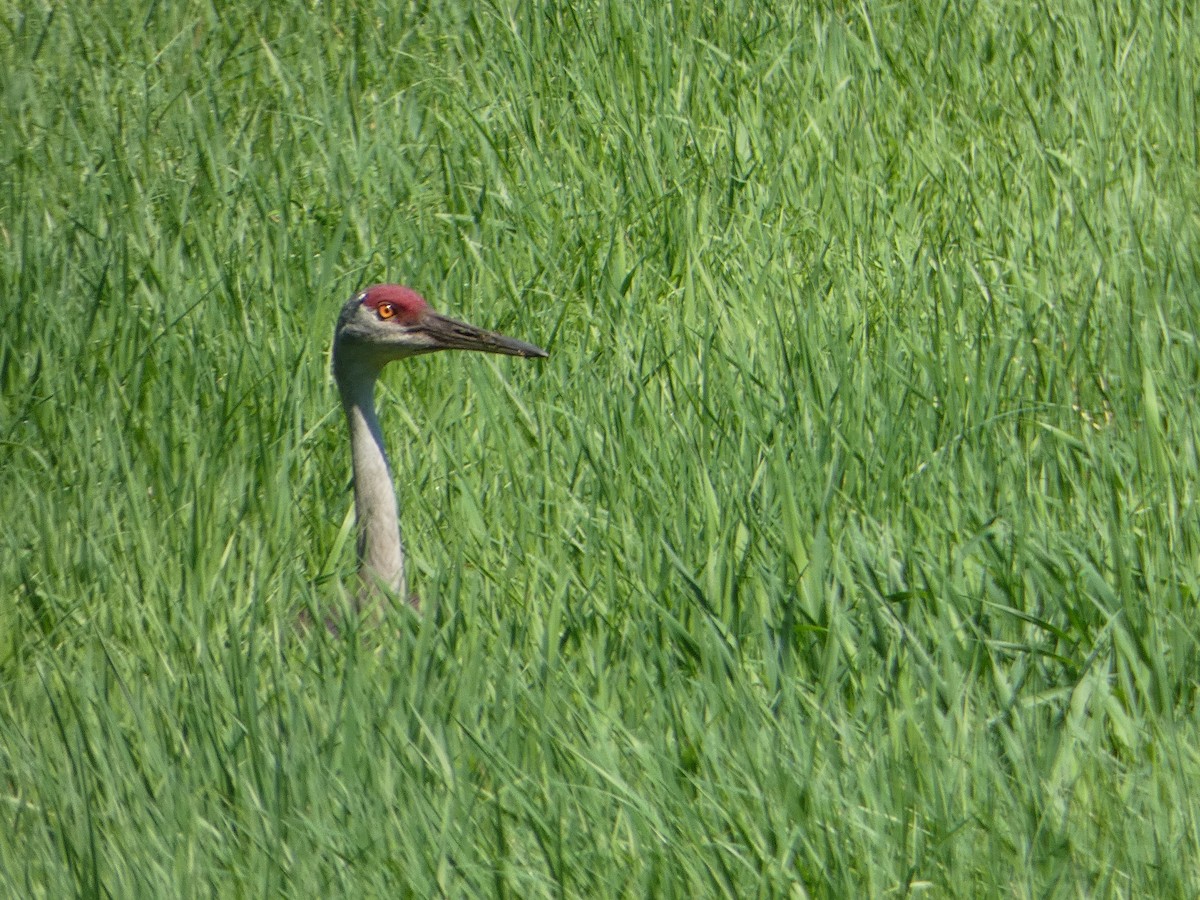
<point>386,310</point>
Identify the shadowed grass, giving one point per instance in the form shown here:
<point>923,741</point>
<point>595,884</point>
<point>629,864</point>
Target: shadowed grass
<point>846,545</point>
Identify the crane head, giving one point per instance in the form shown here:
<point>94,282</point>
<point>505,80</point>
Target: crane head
<point>389,321</point>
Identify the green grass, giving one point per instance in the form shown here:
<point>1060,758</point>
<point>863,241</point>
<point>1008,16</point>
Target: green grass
<point>847,545</point>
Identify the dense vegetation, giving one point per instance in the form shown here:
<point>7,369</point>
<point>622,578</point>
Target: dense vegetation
<point>846,545</point>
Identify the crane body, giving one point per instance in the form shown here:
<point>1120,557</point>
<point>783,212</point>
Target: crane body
<point>378,325</point>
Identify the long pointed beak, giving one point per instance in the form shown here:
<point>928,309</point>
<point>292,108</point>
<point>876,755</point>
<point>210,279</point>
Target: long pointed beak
<point>450,334</point>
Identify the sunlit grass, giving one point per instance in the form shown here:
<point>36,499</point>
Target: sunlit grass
<point>846,545</point>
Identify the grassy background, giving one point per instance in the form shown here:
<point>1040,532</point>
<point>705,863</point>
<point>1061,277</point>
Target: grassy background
<point>846,545</point>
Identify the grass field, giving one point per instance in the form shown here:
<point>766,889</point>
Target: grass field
<point>847,545</point>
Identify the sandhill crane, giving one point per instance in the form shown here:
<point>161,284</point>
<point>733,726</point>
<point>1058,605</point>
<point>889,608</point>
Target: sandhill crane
<point>377,325</point>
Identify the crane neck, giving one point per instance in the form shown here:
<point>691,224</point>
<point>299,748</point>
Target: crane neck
<point>380,552</point>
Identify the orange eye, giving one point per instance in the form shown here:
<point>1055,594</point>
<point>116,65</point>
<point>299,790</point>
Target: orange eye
<point>386,310</point>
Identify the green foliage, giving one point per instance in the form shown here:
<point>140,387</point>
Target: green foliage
<point>846,545</point>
